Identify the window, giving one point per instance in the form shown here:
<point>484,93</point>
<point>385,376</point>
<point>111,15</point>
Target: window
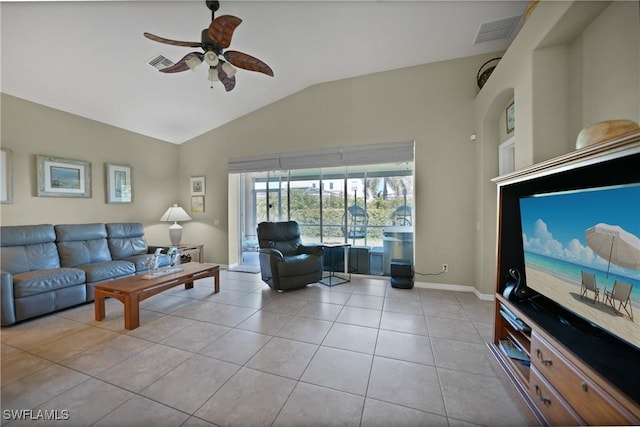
<point>507,156</point>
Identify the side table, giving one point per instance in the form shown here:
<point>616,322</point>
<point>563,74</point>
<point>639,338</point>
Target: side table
<point>191,252</point>
<point>330,250</point>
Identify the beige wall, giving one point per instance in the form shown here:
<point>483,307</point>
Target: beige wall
<point>610,52</point>
<point>572,64</point>
<point>431,105</point>
<point>29,129</point>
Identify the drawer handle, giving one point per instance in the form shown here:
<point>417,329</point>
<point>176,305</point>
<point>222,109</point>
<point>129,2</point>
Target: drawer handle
<point>545,362</point>
<point>540,397</point>
<point>585,386</point>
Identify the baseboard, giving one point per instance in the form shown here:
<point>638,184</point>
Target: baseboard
<point>424,285</point>
<point>455,288</point>
<point>441,286</point>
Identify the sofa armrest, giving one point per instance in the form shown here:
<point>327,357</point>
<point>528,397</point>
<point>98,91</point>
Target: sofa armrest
<point>269,259</point>
<point>8,312</point>
<point>310,250</point>
<point>272,252</point>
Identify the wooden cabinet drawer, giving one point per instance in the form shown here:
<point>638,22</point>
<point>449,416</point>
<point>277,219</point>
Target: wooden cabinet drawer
<point>589,401</point>
<point>554,408</point>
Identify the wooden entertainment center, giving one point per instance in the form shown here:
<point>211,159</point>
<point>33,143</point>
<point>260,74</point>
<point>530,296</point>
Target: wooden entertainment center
<point>577,374</point>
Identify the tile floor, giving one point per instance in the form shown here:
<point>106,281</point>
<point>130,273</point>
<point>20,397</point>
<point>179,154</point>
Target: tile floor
<point>358,354</point>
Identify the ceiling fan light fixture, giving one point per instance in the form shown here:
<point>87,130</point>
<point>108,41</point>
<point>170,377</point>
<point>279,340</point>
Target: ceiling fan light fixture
<point>229,69</point>
<point>213,74</point>
<point>211,58</point>
<point>193,62</point>
<point>214,40</point>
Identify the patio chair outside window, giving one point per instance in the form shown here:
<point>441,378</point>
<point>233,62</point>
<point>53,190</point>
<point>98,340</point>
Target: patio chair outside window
<point>621,292</point>
<point>401,216</point>
<point>354,224</point>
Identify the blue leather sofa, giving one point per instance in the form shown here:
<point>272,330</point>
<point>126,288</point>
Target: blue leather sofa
<point>46,268</point>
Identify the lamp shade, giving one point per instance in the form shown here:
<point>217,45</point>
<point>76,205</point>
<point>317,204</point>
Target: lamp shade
<point>175,213</point>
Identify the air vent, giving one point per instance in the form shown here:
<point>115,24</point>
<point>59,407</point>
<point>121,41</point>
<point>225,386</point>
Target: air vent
<point>159,62</point>
<point>496,30</point>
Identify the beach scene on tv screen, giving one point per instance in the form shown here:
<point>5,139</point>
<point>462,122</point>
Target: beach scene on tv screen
<point>582,250</point>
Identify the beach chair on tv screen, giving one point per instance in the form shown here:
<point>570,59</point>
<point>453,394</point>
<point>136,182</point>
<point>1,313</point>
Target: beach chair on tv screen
<point>589,285</point>
<point>620,292</point>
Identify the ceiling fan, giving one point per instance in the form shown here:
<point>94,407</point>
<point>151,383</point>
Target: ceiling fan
<point>214,40</point>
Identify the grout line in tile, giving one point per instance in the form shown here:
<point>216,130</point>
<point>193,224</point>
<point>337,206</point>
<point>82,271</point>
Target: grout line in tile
<point>350,292</point>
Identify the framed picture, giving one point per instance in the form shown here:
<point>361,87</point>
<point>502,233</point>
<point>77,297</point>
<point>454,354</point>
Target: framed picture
<point>511,118</point>
<point>63,177</point>
<point>197,204</point>
<point>119,183</point>
<point>197,185</point>
<point>6,176</point>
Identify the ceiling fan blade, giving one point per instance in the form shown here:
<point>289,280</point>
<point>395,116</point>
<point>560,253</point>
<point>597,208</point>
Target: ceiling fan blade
<point>248,62</point>
<point>183,64</point>
<point>171,42</point>
<point>228,82</point>
<point>221,29</point>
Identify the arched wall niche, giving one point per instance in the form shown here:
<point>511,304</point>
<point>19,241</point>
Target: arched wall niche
<point>489,138</point>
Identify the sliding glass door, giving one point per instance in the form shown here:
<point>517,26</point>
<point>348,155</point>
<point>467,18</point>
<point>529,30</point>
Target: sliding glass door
<point>277,196</point>
<point>305,205</point>
<point>367,206</point>
<point>333,202</point>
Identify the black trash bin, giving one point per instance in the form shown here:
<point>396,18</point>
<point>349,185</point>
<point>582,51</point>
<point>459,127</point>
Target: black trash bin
<point>401,274</point>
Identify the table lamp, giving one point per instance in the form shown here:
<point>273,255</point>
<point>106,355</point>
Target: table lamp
<point>175,213</point>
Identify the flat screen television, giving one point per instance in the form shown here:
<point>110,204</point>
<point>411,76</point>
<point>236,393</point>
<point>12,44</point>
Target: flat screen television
<point>595,231</point>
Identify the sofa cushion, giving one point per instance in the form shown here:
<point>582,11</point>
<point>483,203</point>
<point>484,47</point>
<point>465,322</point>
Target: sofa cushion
<point>124,248</point>
<point>101,271</point>
<point>120,230</point>
<point>38,256</point>
<point>80,244</point>
<point>126,240</point>
<point>28,247</point>
<point>73,254</point>
<point>47,302</point>
<point>75,232</point>
<point>35,282</point>
<point>19,235</point>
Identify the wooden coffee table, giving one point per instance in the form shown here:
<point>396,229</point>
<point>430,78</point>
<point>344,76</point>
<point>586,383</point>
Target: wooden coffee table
<point>133,289</point>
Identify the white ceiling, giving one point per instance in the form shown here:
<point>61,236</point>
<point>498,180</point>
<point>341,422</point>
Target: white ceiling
<point>90,58</point>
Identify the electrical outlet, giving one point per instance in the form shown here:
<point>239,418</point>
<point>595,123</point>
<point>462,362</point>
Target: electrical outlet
<point>445,267</point>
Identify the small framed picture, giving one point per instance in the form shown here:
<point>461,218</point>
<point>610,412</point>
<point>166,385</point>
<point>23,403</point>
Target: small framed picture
<point>119,183</point>
<point>197,204</point>
<point>511,118</point>
<point>197,185</point>
<point>6,176</point>
<point>63,177</point>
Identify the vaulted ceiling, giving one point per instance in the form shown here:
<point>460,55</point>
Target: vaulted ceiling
<point>90,58</point>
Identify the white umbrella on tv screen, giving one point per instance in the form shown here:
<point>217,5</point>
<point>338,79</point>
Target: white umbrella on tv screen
<point>615,245</point>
